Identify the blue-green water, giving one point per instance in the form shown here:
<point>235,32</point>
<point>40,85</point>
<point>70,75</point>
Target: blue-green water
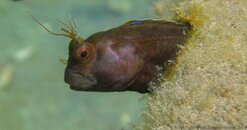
<point>33,95</point>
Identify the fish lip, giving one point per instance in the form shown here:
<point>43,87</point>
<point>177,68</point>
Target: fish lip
<point>87,76</point>
<point>82,76</point>
<point>76,88</point>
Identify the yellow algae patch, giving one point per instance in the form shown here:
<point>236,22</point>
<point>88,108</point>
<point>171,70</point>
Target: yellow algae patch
<point>207,87</point>
<point>193,13</point>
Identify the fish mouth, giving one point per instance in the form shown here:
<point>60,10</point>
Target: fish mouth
<point>80,81</point>
<point>87,76</point>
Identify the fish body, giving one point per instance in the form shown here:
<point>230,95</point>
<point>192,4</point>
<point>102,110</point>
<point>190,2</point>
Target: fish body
<point>124,58</point>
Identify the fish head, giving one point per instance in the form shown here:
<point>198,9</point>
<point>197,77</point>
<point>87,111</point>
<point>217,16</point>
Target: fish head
<point>103,66</point>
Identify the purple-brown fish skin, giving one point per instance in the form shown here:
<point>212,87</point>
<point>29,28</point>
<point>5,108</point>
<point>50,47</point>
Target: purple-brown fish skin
<point>124,58</point>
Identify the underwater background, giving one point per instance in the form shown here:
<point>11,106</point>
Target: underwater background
<point>33,94</point>
<point>206,87</point>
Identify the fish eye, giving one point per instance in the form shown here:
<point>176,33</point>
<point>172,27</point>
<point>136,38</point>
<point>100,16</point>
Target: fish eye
<point>84,53</point>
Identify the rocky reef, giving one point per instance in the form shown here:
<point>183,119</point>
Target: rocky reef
<point>207,86</point>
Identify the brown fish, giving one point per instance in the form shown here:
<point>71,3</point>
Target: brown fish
<point>124,58</point>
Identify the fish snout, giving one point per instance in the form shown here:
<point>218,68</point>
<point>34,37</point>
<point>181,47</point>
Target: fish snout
<point>79,81</point>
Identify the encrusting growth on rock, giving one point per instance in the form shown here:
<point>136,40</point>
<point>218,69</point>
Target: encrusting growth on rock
<point>208,86</point>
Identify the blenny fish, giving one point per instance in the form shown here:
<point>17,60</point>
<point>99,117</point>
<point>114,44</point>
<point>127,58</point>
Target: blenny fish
<point>124,58</point>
